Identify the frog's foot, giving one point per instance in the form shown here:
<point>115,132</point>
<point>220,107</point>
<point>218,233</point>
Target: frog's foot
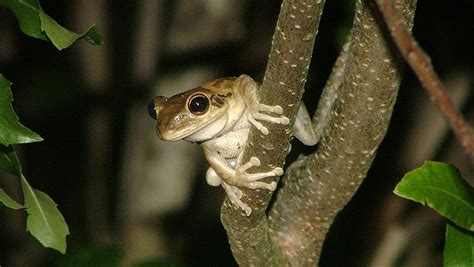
<point>256,114</point>
<point>249,89</point>
<point>250,180</point>
<point>234,195</point>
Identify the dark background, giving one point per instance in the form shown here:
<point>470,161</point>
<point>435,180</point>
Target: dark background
<point>89,104</point>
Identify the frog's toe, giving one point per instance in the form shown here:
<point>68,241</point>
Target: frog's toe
<point>262,185</point>
<point>271,109</point>
<point>247,211</point>
<point>278,171</point>
<point>278,109</point>
<point>278,120</point>
<point>254,161</point>
<point>252,119</point>
<point>237,191</point>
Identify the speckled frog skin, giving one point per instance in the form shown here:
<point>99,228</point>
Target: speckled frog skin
<point>218,115</point>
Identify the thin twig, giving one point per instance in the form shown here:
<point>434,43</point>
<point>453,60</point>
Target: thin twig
<point>421,65</point>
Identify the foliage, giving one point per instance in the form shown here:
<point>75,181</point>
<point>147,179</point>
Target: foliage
<point>44,220</point>
<point>441,187</point>
<point>459,246</point>
<point>12,130</point>
<point>36,23</point>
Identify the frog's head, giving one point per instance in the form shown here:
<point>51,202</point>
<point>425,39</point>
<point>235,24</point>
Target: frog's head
<point>195,115</point>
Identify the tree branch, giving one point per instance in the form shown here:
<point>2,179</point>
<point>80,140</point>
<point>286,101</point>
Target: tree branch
<point>283,85</point>
<point>317,187</point>
<point>330,90</point>
<point>421,65</point>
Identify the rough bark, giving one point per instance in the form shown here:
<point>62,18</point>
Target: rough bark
<point>317,187</point>
<point>365,80</point>
<point>283,85</point>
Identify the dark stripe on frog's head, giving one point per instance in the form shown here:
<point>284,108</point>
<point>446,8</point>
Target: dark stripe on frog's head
<point>221,81</point>
<point>219,99</point>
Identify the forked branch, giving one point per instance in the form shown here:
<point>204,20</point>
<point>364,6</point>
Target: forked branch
<point>367,77</point>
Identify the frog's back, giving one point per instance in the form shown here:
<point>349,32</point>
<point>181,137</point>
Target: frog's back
<point>223,86</point>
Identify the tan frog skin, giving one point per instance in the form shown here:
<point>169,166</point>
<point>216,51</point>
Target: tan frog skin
<point>218,115</point>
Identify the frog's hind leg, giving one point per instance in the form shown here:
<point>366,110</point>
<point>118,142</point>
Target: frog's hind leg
<point>250,180</point>
<point>234,195</point>
<point>239,176</point>
<point>303,128</point>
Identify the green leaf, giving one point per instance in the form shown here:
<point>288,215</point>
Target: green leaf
<point>441,187</point>
<point>6,200</point>
<point>458,247</point>
<point>62,37</point>
<point>26,12</point>
<point>11,130</point>
<point>44,220</point>
<point>36,23</point>
<point>9,162</point>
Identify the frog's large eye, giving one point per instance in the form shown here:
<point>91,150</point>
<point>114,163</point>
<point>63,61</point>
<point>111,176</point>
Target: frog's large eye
<point>198,104</point>
<point>151,109</point>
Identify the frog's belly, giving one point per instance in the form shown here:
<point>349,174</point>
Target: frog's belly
<point>230,144</point>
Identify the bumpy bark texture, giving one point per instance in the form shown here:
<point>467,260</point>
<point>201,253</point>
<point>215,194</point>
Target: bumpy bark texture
<point>365,80</point>
<point>319,186</point>
<point>283,85</point>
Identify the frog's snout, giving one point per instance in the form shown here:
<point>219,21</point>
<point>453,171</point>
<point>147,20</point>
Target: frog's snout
<point>151,109</point>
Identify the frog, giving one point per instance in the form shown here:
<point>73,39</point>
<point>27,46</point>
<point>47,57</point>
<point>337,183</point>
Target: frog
<point>218,115</point>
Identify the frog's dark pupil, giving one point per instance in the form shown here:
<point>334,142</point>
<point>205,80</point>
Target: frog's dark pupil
<point>151,109</point>
<point>198,104</point>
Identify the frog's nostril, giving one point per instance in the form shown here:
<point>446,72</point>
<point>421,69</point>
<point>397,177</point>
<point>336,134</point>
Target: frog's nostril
<point>151,109</point>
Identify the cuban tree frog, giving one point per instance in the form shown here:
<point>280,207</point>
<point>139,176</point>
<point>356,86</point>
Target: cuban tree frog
<point>218,116</point>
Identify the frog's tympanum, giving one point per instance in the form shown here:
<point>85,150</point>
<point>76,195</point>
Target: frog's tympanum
<point>218,115</point>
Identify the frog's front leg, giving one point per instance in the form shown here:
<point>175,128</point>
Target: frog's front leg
<point>303,128</point>
<point>248,88</point>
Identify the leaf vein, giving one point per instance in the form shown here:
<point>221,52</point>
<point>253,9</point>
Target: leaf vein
<point>28,5</point>
<point>43,215</point>
<point>449,194</point>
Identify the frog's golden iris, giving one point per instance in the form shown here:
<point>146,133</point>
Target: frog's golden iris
<point>198,104</point>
